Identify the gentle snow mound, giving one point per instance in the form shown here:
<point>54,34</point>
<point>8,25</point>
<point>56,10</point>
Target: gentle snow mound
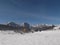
<point>37,38</point>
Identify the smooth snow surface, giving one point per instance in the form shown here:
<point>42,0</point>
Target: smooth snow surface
<point>37,38</point>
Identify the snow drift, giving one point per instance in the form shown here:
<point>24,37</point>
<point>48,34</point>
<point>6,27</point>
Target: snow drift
<point>37,38</point>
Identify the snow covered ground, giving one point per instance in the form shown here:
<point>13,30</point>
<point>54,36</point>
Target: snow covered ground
<point>37,38</point>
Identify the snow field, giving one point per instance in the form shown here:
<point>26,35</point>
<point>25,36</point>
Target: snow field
<point>37,38</point>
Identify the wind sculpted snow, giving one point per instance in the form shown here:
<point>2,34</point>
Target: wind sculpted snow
<point>37,38</point>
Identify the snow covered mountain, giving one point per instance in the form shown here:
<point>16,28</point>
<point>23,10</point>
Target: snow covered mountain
<point>57,27</point>
<point>13,24</point>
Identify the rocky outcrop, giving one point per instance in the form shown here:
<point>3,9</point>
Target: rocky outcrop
<point>24,28</point>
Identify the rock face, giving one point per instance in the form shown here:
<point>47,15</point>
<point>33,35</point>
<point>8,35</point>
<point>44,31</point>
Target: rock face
<point>10,26</point>
<point>15,27</point>
<point>42,27</point>
<point>25,27</point>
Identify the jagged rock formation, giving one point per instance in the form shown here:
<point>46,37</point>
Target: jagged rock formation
<point>15,27</point>
<point>24,28</point>
<point>42,27</point>
<point>10,26</point>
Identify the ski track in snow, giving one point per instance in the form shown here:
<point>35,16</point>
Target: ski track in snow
<point>37,38</point>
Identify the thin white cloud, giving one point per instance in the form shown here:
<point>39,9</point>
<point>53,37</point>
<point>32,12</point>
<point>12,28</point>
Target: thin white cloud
<point>51,18</point>
<point>38,16</point>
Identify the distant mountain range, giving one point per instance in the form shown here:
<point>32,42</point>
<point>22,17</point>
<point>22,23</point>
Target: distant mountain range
<point>25,27</point>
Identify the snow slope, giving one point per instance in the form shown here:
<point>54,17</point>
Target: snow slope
<point>57,28</point>
<point>37,38</point>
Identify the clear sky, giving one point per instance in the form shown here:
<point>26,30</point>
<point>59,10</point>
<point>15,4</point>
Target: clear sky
<point>31,11</point>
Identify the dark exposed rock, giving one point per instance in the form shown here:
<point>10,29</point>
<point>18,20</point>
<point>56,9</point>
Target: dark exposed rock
<point>25,28</point>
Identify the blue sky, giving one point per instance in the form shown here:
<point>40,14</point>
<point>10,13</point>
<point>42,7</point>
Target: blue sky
<point>31,11</point>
